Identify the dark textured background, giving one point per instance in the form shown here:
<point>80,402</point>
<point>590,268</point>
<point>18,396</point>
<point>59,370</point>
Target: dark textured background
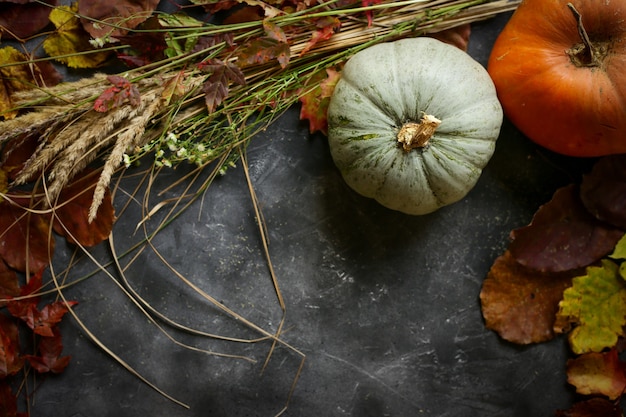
<point>384,306</point>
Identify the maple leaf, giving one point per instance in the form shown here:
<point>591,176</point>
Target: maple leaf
<point>101,18</point>
<point>326,28</point>
<point>598,374</point>
<point>71,217</point>
<point>596,306</point>
<point>263,50</point>
<point>119,93</point>
<point>603,190</point>
<point>69,44</point>
<point>10,360</point>
<point>49,358</point>
<point>315,102</point>
<point>217,86</point>
<point>23,20</point>
<point>520,304</point>
<point>563,235</point>
<point>594,407</point>
<point>25,240</point>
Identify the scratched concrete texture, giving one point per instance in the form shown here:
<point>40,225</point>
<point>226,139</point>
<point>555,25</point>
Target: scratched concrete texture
<point>378,311</point>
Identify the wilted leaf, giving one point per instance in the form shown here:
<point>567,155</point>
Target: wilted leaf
<point>10,360</point>
<point>113,18</point>
<point>49,358</point>
<point>458,36</point>
<point>25,238</point>
<point>25,19</point>
<point>594,407</point>
<point>43,322</point>
<point>71,218</point>
<point>315,102</point>
<point>563,235</point>
<point>603,190</point>
<point>119,93</point>
<point>9,285</point>
<point>521,304</point>
<point>326,27</point>
<point>273,31</point>
<point>217,87</point>
<point>263,50</point>
<point>146,46</point>
<point>69,44</point>
<point>8,401</point>
<point>596,306</point>
<point>598,374</point>
<point>16,152</point>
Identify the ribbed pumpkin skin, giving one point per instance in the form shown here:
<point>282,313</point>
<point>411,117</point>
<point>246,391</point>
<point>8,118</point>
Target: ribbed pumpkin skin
<point>389,84</point>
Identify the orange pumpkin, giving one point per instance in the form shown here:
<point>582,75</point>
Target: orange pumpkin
<point>559,67</point>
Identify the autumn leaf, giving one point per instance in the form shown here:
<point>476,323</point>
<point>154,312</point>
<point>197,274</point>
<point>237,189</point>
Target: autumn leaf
<point>16,153</point>
<point>217,86</point>
<point>69,44</point>
<point>20,20</point>
<point>8,401</point>
<point>25,240</point>
<point>10,360</point>
<point>273,31</point>
<point>563,235</point>
<point>49,358</point>
<point>9,284</point>
<point>326,28</point>
<point>315,102</point>
<point>103,18</point>
<point>264,50</point>
<point>458,36</point>
<point>520,304</point>
<point>620,249</point>
<point>593,407</point>
<point>71,216</point>
<point>603,190</point>
<point>596,305</point>
<point>598,374</point>
<point>179,42</point>
<point>18,75</point>
<point>146,46</point>
<point>120,92</point>
<point>369,14</point>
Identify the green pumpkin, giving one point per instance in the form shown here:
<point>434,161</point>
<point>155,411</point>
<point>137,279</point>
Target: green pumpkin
<point>412,123</point>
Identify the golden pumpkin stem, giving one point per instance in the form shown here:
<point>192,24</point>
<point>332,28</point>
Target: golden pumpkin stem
<point>416,135</point>
<point>585,54</point>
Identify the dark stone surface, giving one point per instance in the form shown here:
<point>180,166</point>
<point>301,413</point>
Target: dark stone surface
<point>384,306</point>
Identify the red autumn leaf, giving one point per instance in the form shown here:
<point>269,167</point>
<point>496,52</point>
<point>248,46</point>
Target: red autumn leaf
<point>458,36</point>
<point>43,321</point>
<point>49,358</point>
<point>121,91</point>
<point>9,284</point>
<point>598,374</point>
<point>217,87</point>
<point>603,190</point>
<point>593,407</point>
<point>521,304</point>
<point>71,218</point>
<point>369,14</point>
<point>206,42</point>
<point>273,31</point>
<point>326,27</point>
<point>113,18</point>
<point>10,360</point>
<point>315,102</point>
<point>8,401</point>
<point>25,240</point>
<point>17,152</point>
<point>146,46</point>
<point>23,307</point>
<point>263,50</point>
<point>563,235</point>
<point>24,19</point>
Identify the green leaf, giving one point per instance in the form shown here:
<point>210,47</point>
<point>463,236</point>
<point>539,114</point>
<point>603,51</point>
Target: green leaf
<point>596,305</point>
<point>620,249</point>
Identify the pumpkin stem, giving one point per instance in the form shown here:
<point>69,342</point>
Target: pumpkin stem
<point>416,135</point>
<point>586,54</point>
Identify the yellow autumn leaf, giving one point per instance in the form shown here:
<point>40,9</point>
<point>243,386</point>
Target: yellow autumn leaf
<point>14,76</point>
<point>596,305</point>
<point>69,44</point>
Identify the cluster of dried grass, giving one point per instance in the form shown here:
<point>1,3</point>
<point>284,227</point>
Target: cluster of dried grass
<point>73,135</point>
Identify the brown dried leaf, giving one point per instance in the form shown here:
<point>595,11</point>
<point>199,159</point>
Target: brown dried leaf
<point>521,304</point>
<point>598,374</point>
<point>603,190</point>
<point>113,18</point>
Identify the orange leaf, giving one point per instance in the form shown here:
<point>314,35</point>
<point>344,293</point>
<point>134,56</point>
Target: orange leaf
<point>521,304</point>
<point>315,102</point>
<point>327,27</point>
<point>71,218</point>
<point>25,240</point>
<point>116,95</point>
<point>10,360</point>
<point>598,373</point>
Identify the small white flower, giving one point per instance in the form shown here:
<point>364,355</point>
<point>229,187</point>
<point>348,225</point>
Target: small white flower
<point>200,147</point>
<point>97,42</point>
<point>181,152</point>
<point>171,137</point>
<point>126,159</point>
<point>167,163</point>
<point>159,153</point>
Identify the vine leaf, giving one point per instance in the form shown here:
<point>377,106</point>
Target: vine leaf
<point>69,44</point>
<point>49,358</point>
<point>315,102</point>
<point>217,86</point>
<point>71,219</point>
<point>598,373</point>
<point>603,190</point>
<point>10,360</point>
<point>520,304</point>
<point>119,93</point>
<point>25,241</point>
<point>563,235</point>
<point>592,407</point>
<point>596,305</point>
